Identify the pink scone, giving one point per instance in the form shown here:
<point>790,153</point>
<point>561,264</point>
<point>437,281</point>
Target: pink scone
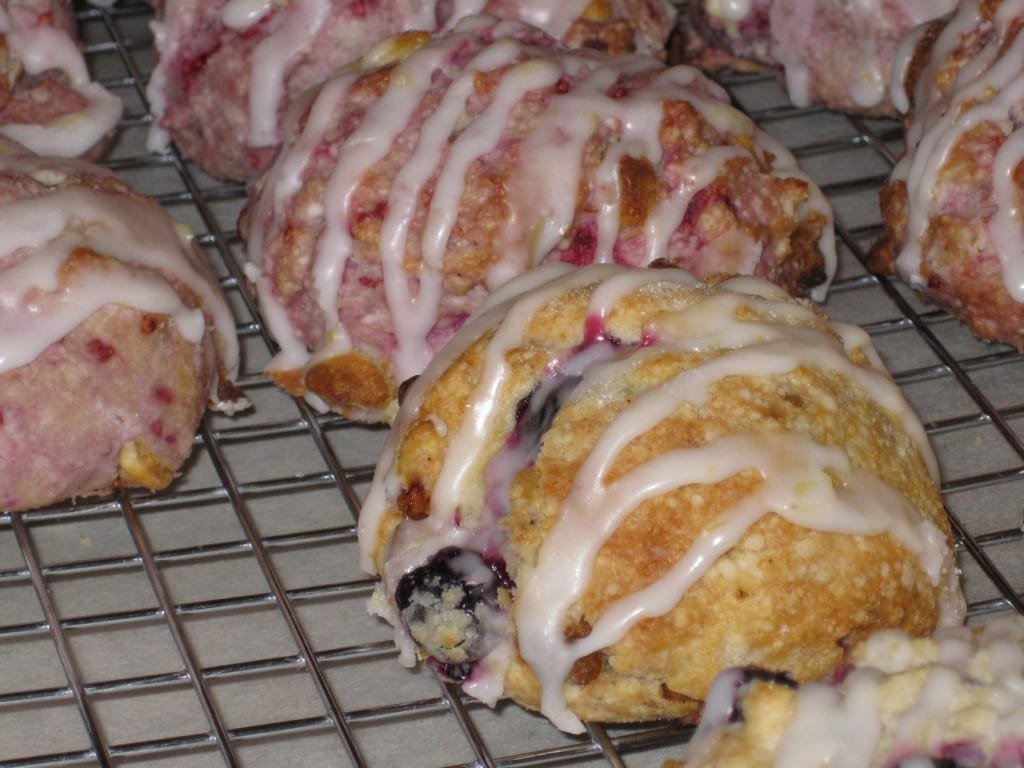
<point>116,335</point>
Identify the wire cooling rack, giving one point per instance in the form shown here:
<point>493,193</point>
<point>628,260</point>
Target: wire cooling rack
<point>222,623</point>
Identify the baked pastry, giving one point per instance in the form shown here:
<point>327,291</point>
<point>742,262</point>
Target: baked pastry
<point>227,69</point>
<point>953,700</point>
<point>614,483</point>
<point>835,53</point>
<point>47,101</point>
<point>414,183</point>
<point>952,208</point>
<point>115,335</point>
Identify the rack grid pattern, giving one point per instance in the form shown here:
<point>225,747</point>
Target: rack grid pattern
<point>222,622</point>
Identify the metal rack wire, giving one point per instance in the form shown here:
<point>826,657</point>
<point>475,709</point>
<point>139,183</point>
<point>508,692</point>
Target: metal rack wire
<point>222,622</point>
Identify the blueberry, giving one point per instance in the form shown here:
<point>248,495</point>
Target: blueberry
<point>457,673</point>
<point>536,412</point>
<point>450,607</point>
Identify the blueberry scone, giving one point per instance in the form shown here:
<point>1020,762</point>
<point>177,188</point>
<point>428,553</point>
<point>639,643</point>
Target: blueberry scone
<point>614,483</point>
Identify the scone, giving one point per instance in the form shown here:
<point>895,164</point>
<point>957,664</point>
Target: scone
<point>836,53</point>
<point>420,179</point>
<point>48,102</point>
<point>954,700</point>
<point>614,483</point>
<point>952,208</point>
<point>228,69</point>
<point>115,335</point>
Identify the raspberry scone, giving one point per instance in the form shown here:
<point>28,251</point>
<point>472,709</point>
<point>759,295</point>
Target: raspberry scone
<point>836,53</point>
<point>419,180</point>
<point>952,208</point>
<point>48,101</point>
<point>116,335</point>
<point>228,69</point>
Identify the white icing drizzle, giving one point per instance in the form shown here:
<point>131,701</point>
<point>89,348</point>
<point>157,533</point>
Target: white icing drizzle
<point>37,237</point>
<point>556,19</point>
<point>283,181</point>
<point>901,67</point>
<point>412,352</point>
<point>302,21</point>
<point>593,511</point>
<point>542,189</point>
<point>271,59</point>
<point>544,203</point>
<point>853,721</point>
<point>902,703</point>
<point>1007,224</point>
<point>369,144</point>
<point>988,89</point>
<point>293,37</point>
<point>797,473</point>
<point>796,486</point>
<point>40,47</point>
<point>463,454</point>
<point>553,18</point>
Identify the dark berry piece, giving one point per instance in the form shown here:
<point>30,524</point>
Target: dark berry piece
<point>456,673</point>
<point>450,607</point>
<point>403,388</point>
<point>536,412</point>
<point>100,350</point>
<point>750,674</point>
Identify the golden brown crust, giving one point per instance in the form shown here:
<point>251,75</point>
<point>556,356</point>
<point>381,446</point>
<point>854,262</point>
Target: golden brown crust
<point>351,384</point>
<point>291,381</point>
<point>893,201</point>
<point>138,466</point>
<point>350,378</point>
<point>640,190</point>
